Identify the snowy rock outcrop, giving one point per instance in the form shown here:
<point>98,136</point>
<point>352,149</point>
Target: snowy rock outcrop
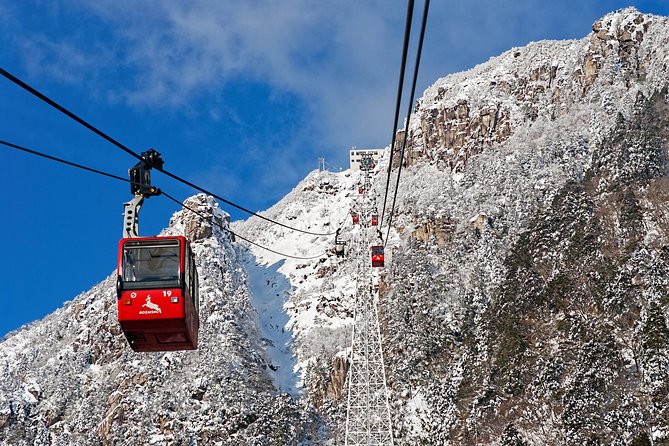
<point>554,82</point>
<point>71,379</point>
<point>531,323</point>
<point>525,298</point>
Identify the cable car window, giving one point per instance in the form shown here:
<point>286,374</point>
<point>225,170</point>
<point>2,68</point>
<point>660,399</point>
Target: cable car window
<point>151,262</point>
<point>377,250</point>
<point>187,273</point>
<point>195,285</point>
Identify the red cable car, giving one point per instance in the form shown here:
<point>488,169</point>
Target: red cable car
<point>361,190</point>
<point>339,248</point>
<point>375,219</point>
<point>157,291</point>
<point>355,217</point>
<point>377,255</point>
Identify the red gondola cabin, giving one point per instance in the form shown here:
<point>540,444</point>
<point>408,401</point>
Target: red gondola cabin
<point>157,291</point>
<point>377,256</point>
<point>375,219</point>
<point>355,217</point>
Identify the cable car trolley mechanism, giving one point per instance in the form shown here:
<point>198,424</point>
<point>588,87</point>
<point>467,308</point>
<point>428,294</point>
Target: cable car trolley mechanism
<point>157,281</point>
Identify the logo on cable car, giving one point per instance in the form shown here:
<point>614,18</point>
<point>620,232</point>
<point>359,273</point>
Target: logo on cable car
<point>153,308</point>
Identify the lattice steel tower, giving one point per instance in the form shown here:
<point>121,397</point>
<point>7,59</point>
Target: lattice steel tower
<point>367,410</point>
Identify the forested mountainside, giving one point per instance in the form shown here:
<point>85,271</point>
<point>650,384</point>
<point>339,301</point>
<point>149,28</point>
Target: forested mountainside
<point>524,301</point>
<point>530,291</point>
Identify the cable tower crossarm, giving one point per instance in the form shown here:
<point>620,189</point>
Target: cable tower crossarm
<point>131,152</point>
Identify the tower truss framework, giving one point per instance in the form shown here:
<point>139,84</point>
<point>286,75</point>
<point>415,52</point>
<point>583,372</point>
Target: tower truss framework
<point>368,419</point>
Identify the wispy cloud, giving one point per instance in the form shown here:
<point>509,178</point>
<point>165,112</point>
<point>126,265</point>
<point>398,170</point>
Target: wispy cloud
<point>340,58</point>
<point>336,56</point>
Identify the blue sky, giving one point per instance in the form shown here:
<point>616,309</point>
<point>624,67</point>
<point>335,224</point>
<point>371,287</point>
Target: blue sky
<point>239,97</point>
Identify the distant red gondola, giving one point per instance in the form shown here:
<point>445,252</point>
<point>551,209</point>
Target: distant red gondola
<point>340,249</point>
<point>339,244</point>
<point>157,290</point>
<point>355,217</point>
<point>375,219</point>
<point>377,256</point>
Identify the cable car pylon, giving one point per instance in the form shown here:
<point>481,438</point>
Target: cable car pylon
<point>368,421</point>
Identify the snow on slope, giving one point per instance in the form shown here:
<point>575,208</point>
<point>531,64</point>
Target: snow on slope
<point>490,149</point>
<point>497,155</point>
<point>496,142</point>
<point>71,379</point>
<point>269,290</point>
<point>311,307</point>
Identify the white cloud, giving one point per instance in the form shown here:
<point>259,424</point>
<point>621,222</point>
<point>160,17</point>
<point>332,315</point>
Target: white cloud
<point>340,58</point>
<point>322,55</point>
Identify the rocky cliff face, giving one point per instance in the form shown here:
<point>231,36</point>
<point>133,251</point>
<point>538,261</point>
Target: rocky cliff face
<point>566,341</point>
<point>525,299</point>
<point>542,317</point>
<point>467,113</point>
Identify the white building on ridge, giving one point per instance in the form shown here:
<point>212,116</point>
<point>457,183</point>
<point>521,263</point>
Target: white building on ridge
<point>355,155</point>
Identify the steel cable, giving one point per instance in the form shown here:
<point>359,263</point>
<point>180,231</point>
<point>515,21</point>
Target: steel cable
<point>398,102</point>
<point>116,177</point>
<point>406,125</point>
<point>129,151</point>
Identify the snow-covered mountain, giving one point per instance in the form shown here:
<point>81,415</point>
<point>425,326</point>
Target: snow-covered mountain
<point>71,378</point>
<point>530,287</point>
<point>525,300</point>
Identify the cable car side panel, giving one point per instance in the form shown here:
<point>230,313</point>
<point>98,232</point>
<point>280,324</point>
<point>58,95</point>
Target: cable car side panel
<point>157,294</point>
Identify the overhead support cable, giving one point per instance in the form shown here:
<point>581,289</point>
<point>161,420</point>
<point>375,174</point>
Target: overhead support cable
<point>426,7</point>
<point>116,177</point>
<point>398,102</point>
<point>60,160</point>
<point>129,151</point>
<point>65,111</point>
<point>239,236</point>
